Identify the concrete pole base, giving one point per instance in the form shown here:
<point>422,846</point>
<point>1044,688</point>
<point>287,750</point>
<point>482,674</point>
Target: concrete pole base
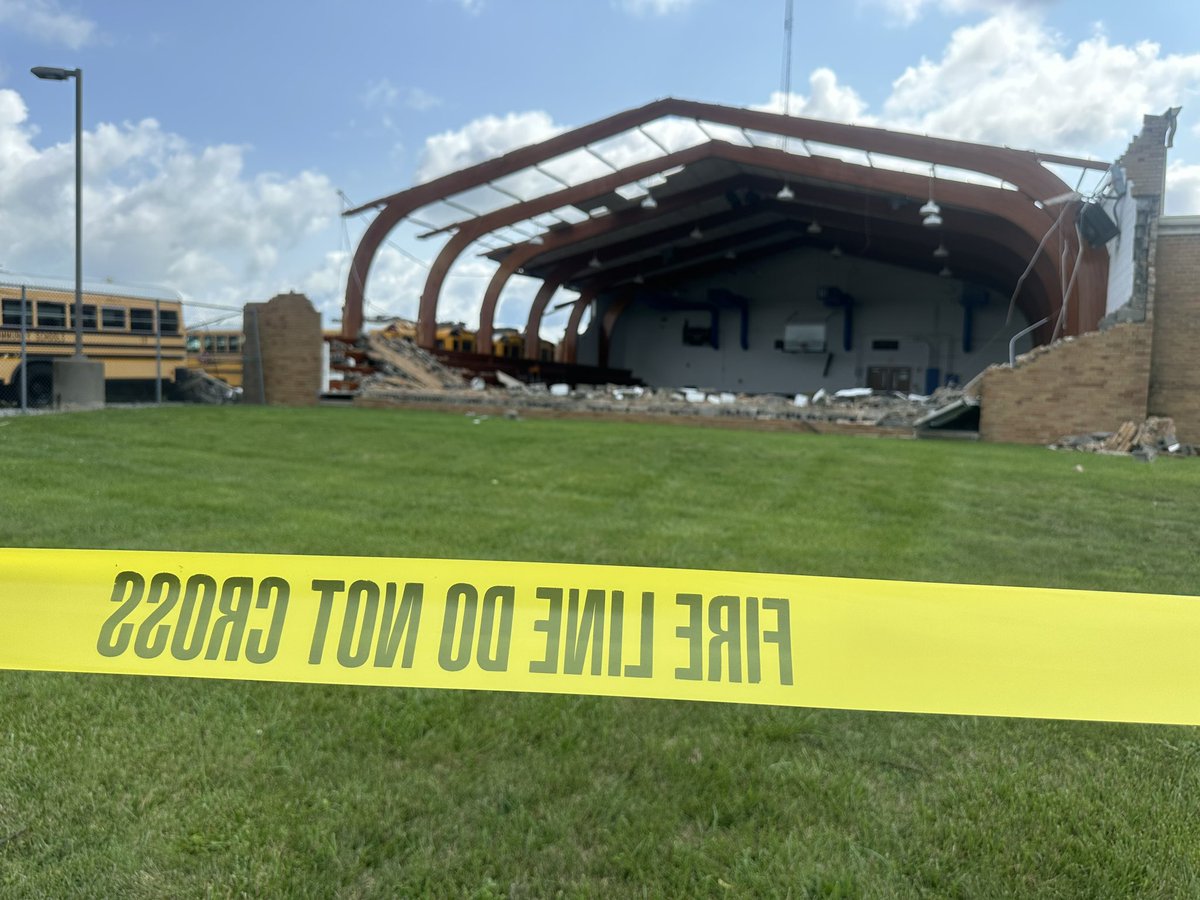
<point>78,383</point>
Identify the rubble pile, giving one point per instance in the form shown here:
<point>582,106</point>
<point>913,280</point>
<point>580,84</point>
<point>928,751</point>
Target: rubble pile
<point>403,365</point>
<point>883,408</point>
<point>855,407</point>
<point>1143,440</point>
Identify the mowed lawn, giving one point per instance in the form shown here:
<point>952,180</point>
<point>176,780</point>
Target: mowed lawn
<point>141,787</point>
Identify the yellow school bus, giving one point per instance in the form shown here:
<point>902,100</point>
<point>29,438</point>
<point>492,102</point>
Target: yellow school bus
<point>510,343</point>
<point>135,331</point>
<point>455,336</point>
<point>218,351</point>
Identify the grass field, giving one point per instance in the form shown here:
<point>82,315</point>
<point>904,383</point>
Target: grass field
<point>113,786</point>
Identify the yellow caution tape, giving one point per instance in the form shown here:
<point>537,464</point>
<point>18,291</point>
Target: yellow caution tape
<point>607,630</point>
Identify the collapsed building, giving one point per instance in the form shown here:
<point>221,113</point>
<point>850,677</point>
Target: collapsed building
<point>751,252</point>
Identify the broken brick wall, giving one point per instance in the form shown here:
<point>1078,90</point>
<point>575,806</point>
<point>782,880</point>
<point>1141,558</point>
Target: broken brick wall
<point>281,355</point>
<point>1094,382</point>
<point>1175,374</point>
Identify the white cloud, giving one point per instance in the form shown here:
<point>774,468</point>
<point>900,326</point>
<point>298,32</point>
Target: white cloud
<point>827,99</point>
<point>655,7</point>
<point>380,93</point>
<point>1009,80</point>
<point>906,12</point>
<point>1183,189</point>
<point>46,21</point>
<point>420,100</point>
<point>155,210</point>
<point>482,139</point>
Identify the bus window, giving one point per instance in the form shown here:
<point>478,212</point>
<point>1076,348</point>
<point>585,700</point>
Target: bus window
<point>193,344</point>
<point>208,343</point>
<point>51,315</point>
<point>141,320</point>
<point>89,316</point>
<point>112,318</point>
<point>220,343</point>
<point>12,313</point>
<point>233,343</point>
<point>168,321</point>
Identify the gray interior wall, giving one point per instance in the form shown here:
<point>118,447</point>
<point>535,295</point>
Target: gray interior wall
<point>921,311</point>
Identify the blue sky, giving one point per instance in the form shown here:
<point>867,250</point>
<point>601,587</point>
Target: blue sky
<point>217,134</point>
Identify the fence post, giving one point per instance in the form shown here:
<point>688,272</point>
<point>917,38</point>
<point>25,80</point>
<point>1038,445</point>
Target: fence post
<point>157,352</point>
<point>24,355</point>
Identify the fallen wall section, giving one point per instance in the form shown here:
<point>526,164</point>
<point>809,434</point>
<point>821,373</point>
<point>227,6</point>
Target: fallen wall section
<point>1094,382</point>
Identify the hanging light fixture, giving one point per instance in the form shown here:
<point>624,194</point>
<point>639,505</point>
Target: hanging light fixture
<point>648,202</point>
<point>945,273</point>
<point>941,252</point>
<point>730,254</point>
<point>931,211</point>
<point>836,251</point>
<point>696,233</point>
<point>785,193</point>
<point>594,262</point>
<point>814,227</point>
<point>638,279</point>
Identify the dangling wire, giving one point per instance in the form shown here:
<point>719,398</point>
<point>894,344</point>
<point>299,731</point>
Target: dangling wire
<point>786,74</point>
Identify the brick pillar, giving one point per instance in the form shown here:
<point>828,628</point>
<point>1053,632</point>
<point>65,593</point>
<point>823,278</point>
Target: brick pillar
<point>1174,374</point>
<point>281,355</point>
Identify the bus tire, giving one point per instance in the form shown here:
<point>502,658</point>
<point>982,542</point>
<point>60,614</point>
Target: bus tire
<point>41,387</point>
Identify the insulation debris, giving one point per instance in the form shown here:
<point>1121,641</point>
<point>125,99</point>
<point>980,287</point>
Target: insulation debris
<point>403,365</point>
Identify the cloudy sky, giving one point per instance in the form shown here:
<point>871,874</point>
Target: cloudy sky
<point>218,135</point>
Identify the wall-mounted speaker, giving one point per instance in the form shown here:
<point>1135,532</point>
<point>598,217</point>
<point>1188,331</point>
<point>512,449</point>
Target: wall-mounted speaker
<point>1095,225</point>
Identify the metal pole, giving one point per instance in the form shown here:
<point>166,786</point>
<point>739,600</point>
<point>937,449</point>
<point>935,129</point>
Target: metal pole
<point>79,212</point>
<point>157,352</point>
<point>24,359</point>
<point>1012,345</point>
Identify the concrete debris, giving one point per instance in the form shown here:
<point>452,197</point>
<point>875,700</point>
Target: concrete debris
<point>197,386</point>
<point>510,383</point>
<point>1142,440</point>
<point>856,408</point>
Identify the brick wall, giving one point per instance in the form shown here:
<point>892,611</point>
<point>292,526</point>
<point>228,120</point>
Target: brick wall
<point>1145,159</point>
<point>1090,383</point>
<point>281,356</point>
<point>1174,374</point>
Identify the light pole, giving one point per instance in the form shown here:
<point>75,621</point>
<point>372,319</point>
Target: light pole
<point>52,74</point>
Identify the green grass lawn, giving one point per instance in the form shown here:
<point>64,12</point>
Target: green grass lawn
<point>115,786</point>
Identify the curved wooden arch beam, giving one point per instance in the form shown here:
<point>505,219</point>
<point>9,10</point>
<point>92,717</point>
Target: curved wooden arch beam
<point>1008,245</point>
<point>571,335</point>
<point>1009,205</point>
<point>523,253</point>
<point>491,295</point>
<point>517,212</point>
<point>534,323</point>
<point>1020,168</point>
